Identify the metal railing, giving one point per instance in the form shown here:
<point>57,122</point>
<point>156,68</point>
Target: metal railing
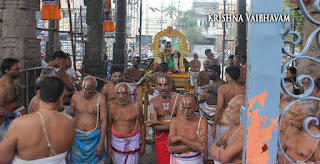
<point>295,57</point>
<point>30,75</point>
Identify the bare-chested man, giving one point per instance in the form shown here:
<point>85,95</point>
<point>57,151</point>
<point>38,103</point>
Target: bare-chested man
<point>203,80</point>
<point>228,149</point>
<point>59,62</point>
<point>42,137</point>
<point>208,108</point>
<point>90,112</point>
<point>34,105</point>
<point>285,99</point>
<point>243,70</point>
<point>188,133</point>
<point>195,66</point>
<point>243,61</point>
<point>108,90</point>
<point>124,118</point>
<point>164,69</point>
<point>73,78</point>
<point>162,109</point>
<point>297,144</point>
<point>230,60</point>
<point>133,75</point>
<point>225,93</point>
<point>70,71</point>
<point>210,56</point>
<point>10,100</point>
<point>315,92</point>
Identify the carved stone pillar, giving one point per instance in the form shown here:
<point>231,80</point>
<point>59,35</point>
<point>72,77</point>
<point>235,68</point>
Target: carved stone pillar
<point>18,35</point>
<point>241,30</point>
<point>18,29</point>
<point>92,61</point>
<point>120,49</point>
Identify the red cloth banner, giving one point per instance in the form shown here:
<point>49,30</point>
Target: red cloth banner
<point>50,10</point>
<point>108,25</point>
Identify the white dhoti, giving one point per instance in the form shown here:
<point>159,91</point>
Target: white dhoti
<point>222,126</point>
<point>202,91</point>
<point>125,150</point>
<point>133,89</point>
<point>57,159</point>
<point>217,162</point>
<point>155,93</point>
<point>208,111</point>
<point>186,158</point>
<point>220,131</point>
<point>194,77</point>
<point>211,140</point>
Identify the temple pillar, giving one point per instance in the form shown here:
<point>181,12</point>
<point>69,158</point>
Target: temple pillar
<point>93,59</point>
<point>18,35</point>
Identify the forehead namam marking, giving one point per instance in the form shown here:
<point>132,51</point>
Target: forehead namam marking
<point>85,84</point>
<point>186,102</point>
<point>162,80</point>
<point>122,88</point>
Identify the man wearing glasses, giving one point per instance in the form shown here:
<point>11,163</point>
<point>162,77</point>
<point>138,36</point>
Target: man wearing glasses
<point>10,100</point>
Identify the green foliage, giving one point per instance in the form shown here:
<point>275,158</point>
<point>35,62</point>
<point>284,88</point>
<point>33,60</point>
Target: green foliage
<point>192,33</point>
<point>170,10</point>
<point>297,15</point>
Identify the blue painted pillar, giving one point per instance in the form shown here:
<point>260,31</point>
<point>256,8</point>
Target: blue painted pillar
<point>263,84</point>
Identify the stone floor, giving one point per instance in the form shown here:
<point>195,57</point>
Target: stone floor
<point>148,158</point>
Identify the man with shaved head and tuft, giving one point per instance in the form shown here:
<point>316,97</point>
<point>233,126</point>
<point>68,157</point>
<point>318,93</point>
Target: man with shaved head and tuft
<point>188,133</point>
<point>124,119</point>
<point>163,108</point>
<point>88,107</point>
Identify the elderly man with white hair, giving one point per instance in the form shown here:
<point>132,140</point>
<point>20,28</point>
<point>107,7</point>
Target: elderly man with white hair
<point>89,109</point>
<point>296,143</point>
<point>228,149</point>
<point>125,125</point>
<point>188,134</point>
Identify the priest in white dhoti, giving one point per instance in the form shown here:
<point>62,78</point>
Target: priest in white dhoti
<point>187,139</point>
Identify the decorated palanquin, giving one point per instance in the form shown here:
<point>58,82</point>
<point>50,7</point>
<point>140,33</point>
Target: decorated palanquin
<point>169,53</point>
<point>175,59</point>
